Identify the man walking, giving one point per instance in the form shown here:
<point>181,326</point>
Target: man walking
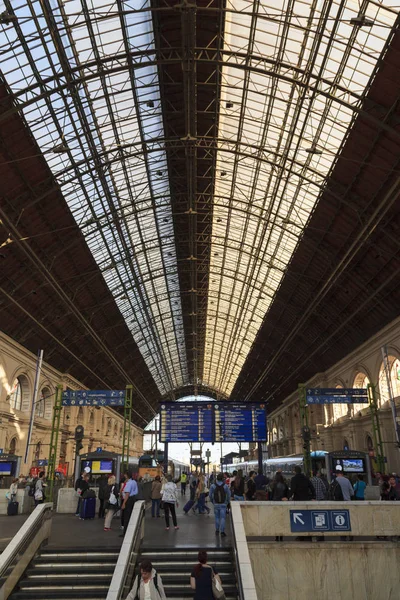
<point>220,497</point>
<point>130,493</point>
<point>319,486</point>
<point>183,483</point>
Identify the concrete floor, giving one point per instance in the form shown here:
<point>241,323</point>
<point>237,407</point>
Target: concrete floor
<point>194,531</point>
<point>69,531</point>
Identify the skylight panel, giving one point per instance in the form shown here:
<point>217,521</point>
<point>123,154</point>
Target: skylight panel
<point>285,112</point>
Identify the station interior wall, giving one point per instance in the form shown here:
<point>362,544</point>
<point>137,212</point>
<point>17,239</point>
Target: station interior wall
<point>302,569</point>
<point>103,426</point>
<point>339,427</point>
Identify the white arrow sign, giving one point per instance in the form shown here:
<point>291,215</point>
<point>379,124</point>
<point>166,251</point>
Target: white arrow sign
<point>297,519</point>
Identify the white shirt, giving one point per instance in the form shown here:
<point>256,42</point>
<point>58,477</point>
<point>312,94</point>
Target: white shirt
<point>147,593</point>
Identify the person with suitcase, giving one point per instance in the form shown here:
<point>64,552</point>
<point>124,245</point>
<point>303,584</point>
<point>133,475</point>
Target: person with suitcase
<point>88,505</point>
<point>12,508</point>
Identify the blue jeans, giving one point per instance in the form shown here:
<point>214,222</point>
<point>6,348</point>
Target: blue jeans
<point>220,514</point>
<point>155,507</point>
<point>236,497</point>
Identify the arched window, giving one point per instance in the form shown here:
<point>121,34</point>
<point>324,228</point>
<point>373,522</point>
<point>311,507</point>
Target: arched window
<point>361,380</point>
<point>274,433</point>
<point>16,395</point>
<point>370,443</point>
<point>38,450</point>
<point>281,429</point>
<point>394,378</point>
<point>346,445</point>
<point>339,410</point>
<point>115,430</point>
<point>13,446</point>
<point>79,418</point>
<point>91,418</point>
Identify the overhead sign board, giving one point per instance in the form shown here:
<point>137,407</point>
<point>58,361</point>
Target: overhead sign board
<point>186,422</point>
<point>213,422</point>
<point>319,520</point>
<point>93,398</point>
<point>337,396</point>
<point>240,422</point>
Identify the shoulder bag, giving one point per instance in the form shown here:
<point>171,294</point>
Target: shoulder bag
<point>217,589</point>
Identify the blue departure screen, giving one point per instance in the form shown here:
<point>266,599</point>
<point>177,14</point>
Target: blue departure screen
<point>186,422</point>
<point>240,422</point>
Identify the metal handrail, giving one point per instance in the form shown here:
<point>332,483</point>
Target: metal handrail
<point>122,578</point>
<point>237,563</point>
<point>23,547</point>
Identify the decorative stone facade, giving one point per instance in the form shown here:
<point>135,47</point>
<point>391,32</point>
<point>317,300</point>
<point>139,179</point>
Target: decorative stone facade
<point>103,426</point>
<point>335,427</point>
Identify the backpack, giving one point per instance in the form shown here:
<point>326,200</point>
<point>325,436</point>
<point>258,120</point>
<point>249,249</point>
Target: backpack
<point>219,494</point>
<point>155,583</point>
<point>335,491</point>
<point>32,488</point>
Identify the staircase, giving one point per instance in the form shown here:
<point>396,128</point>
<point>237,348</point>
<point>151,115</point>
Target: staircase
<point>76,573</point>
<point>175,566</point>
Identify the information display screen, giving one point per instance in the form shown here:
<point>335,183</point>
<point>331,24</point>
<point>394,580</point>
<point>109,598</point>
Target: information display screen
<point>240,422</point>
<point>353,465</point>
<point>186,422</point>
<point>97,467</point>
<point>6,468</point>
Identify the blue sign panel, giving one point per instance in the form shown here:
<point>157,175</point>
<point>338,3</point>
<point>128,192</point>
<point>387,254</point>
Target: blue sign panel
<point>186,422</point>
<point>337,400</point>
<point>337,392</point>
<point>319,520</point>
<point>93,398</point>
<point>337,396</point>
<point>240,422</point>
<point>42,463</point>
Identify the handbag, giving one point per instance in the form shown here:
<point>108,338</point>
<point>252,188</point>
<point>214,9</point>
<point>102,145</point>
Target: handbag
<point>38,495</point>
<point>217,589</point>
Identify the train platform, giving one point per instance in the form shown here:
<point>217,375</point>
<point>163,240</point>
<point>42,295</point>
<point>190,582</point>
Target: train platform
<point>69,531</point>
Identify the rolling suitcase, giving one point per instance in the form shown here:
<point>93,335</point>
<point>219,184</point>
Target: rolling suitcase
<point>188,506</point>
<point>88,508</point>
<point>12,508</point>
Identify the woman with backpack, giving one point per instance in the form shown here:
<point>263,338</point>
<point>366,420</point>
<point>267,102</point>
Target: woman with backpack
<point>111,495</point>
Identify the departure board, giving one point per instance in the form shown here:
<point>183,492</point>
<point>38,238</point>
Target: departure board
<point>186,422</point>
<point>240,422</point>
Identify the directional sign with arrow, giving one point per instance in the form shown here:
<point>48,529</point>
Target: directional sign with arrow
<point>319,520</point>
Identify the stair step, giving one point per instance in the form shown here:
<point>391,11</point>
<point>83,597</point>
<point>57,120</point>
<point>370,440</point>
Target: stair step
<point>67,576</point>
<point>72,565</point>
<point>78,555</point>
<point>55,588</point>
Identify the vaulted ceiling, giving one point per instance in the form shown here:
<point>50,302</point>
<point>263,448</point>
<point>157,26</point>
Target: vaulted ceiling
<point>198,197</point>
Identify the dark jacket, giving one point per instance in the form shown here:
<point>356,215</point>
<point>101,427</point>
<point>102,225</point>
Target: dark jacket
<point>251,489</point>
<point>103,484</point>
<point>302,488</point>
<point>82,485</point>
<point>239,490</point>
<point>261,481</point>
<point>278,491</point>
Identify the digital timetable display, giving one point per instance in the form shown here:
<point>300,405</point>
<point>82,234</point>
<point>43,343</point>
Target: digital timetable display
<point>186,422</point>
<point>246,422</point>
<point>213,422</point>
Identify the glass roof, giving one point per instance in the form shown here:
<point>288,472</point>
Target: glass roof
<point>113,171</point>
<point>294,74</point>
